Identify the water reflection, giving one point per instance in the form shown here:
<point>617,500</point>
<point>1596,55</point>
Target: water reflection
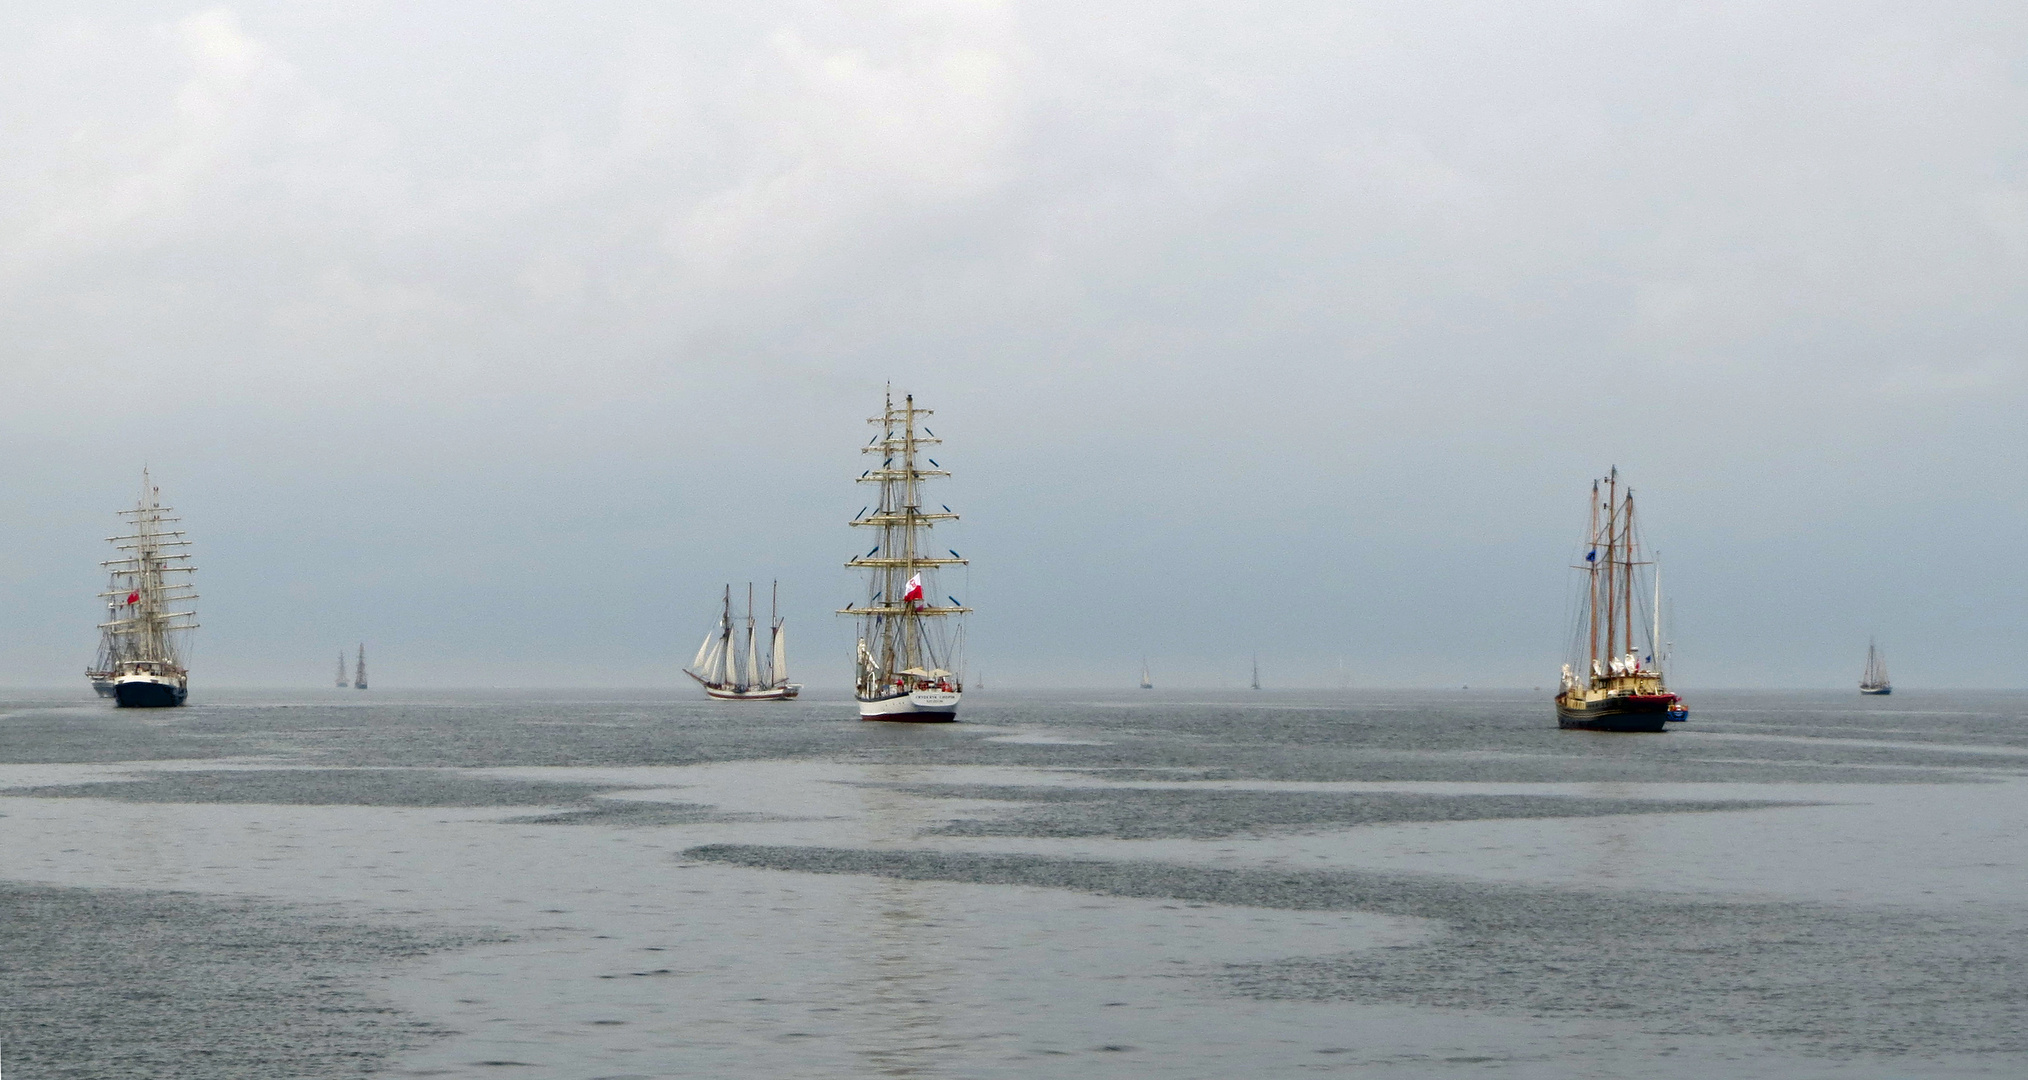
<point>901,987</point>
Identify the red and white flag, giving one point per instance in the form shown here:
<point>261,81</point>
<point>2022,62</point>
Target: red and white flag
<point>133,598</point>
<point>914,588</point>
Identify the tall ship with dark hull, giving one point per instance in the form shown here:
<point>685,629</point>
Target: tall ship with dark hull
<point>149,583</point>
<point>910,641</point>
<point>1614,683</point>
<point>1875,681</point>
<point>732,665</point>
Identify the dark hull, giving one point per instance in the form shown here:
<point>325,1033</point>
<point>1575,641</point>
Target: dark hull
<point>1617,714</point>
<point>1876,690</point>
<point>147,695</point>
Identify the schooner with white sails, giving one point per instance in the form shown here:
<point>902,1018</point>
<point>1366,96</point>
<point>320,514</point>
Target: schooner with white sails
<point>735,667</point>
<point>143,636</point>
<point>910,642</point>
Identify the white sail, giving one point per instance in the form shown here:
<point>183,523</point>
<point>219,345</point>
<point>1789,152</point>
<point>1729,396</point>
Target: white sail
<point>703,651</point>
<point>729,676</point>
<point>752,657</point>
<point>781,672</point>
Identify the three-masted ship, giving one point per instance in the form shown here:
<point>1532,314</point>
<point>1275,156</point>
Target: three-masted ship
<point>734,670</point>
<point>910,643</point>
<point>1874,681</point>
<point>145,631</point>
<point>1613,684</point>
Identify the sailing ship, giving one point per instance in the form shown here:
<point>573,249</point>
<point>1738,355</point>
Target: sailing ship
<point>909,644</point>
<point>359,671</point>
<point>764,674</point>
<point>1874,681</point>
<point>1256,671</point>
<point>146,669</point>
<point>112,646</point>
<point>343,682</point>
<point>1612,685</point>
<point>1146,682</point>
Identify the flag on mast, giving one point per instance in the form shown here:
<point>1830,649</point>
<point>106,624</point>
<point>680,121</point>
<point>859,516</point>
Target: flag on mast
<point>914,588</point>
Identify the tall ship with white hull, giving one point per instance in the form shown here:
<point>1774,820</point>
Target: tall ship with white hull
<point>1875,681</point>
<point>1613,684</point>
<point>764,673</point>
<point>147,669</point>
<point>910,643</point>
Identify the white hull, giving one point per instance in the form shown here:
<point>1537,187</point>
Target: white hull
<point>758,693</point>
<point>920,706</point>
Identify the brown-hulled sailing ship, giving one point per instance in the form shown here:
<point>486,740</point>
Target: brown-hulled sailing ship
<point>1613,683</point>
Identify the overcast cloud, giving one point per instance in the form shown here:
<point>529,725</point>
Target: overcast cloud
<point>503,342</point>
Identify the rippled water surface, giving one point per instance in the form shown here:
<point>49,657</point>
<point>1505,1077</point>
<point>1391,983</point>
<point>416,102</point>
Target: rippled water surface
<point>580,885</point>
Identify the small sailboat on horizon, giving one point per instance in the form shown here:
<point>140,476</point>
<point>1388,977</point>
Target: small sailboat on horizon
<point>1875,681</point>
<point>729,672</point>
<point>1147,683</point>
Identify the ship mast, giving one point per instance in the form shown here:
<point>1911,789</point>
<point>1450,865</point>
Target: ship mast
<point>149,630</point>
<point>894,639</point>
<point>1591,568</point>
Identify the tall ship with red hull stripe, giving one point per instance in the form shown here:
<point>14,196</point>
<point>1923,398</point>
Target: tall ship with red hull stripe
<point>1614,683</point>
<point>910,641</point>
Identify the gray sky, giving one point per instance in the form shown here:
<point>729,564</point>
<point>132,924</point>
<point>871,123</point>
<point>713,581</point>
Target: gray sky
<point>503,342</point>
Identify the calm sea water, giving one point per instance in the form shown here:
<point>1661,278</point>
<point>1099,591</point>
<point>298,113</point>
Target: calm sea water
<point>579,885</point>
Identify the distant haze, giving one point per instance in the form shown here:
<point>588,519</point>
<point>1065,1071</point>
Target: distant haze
<point>503,337</point>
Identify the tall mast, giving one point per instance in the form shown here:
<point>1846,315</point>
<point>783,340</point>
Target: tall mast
<point>359,673</point>
<point>1655,642</point>
<point>1611,560</point>
<point>1627,575</point>
<point>149,627</point>
<point>893,634</point>
<point>752,659</point>
<point>1591,567</point>
<point>729,674</point>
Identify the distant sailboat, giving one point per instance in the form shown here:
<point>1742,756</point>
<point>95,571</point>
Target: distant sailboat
<point>1146,682</point>
<point>719,668</point>
<point>359,672</point>
<point>1875,679</point>
<point>343,682</point>
<point>1256,671</point>
<point>112,647</point>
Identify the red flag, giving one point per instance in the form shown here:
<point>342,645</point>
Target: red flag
<point>914,588</point>
<point>133,598</point>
